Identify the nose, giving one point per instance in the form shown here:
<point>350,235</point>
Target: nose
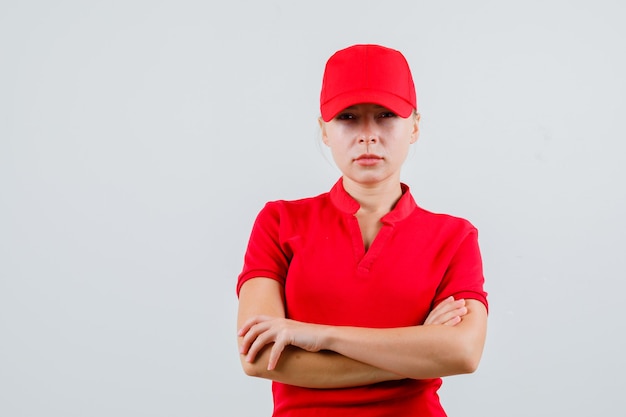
<point>368,139</point>
<point>367,132</point>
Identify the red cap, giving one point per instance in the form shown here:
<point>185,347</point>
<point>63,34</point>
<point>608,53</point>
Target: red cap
<point>367,74</point>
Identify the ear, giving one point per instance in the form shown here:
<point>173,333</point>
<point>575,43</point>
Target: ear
<point>322,124</point>
<point>415,130</point>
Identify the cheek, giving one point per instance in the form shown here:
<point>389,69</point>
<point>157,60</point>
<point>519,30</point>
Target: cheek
<point>341,154</point>
<point>401,146</point>
<point>339,132</point>
<point>339,151</point>
<point>337,141</point>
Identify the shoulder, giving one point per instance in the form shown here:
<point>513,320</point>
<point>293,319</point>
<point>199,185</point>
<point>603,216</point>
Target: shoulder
<point>297,206</point>
<point>293,212</point>
<point>444,223</point>
<point>436,221</point>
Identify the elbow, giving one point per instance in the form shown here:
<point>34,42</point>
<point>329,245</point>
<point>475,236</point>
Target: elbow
<point>464,343</point>
<point>468,360</point>
<point>252,368</point>
<point>468,365</point>
<point>258,366</point>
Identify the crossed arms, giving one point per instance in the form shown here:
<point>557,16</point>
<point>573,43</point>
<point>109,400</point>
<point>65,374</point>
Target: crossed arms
<point>309,355</point>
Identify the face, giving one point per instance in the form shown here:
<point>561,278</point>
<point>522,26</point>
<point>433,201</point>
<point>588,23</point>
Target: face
<point>369,142</point>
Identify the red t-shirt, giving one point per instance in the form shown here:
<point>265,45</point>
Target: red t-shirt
<point>315,249</point>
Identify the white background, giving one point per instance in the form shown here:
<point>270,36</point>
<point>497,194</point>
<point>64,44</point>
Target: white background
<point>138,140</point>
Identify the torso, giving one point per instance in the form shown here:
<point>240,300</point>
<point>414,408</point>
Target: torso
<point>315,248</point>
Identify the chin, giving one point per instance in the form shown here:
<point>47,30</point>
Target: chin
<point>367,179</point>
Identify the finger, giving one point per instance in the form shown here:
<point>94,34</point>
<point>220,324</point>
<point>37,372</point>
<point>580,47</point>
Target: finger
<point>449,315</point>
<point>262,339</point>
<point>447,305</point>
<point>251,335</point>
<point>453,321</point>
<point>441,308</point>
<point>251,322</point>
<point>275,353</point>
<point>244,344</point>
<point>445,311</point>
<point>445,301</point>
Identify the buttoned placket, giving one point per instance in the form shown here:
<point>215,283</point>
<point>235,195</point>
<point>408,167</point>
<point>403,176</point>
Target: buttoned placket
<point>365,259</point>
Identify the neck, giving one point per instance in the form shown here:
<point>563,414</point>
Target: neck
<point>375,198</point>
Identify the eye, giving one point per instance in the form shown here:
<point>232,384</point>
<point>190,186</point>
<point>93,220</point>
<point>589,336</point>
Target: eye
<point>345,116</point>
<point>386,114</point>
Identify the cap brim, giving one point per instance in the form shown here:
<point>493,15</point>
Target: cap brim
<point>398,105</point>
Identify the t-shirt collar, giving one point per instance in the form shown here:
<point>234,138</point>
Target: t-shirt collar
<point>345,203</point>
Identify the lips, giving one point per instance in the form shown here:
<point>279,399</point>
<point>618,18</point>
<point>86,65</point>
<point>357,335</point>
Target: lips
<point>368,159</point>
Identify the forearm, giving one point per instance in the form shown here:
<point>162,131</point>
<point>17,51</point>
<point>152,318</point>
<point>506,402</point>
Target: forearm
<point>324,369</point>
<point>417,352</point>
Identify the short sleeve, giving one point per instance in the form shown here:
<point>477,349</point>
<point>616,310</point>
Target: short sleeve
<point>265,256</point>
<point>464,276</point>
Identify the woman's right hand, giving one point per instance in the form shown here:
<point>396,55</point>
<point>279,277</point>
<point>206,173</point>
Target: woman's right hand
<point>449,312</point>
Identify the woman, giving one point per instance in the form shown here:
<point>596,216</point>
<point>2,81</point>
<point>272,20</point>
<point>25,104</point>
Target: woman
<point>357,301</point>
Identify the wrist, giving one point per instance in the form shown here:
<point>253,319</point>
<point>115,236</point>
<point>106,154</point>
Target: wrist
<point>328,337</point>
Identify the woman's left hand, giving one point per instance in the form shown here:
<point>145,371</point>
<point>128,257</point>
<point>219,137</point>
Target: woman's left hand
<point>260,331</point>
